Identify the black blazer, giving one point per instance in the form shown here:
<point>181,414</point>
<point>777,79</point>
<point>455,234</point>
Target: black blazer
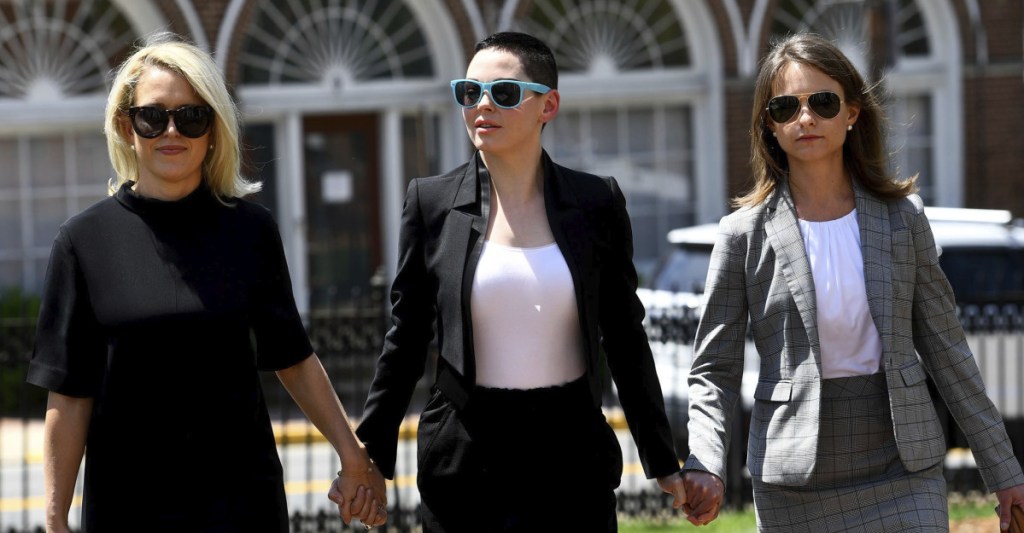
<point>443,224</point>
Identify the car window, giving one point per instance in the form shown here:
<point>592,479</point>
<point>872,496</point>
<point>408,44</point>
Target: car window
<point>684,269</point>
<point>984,275</point>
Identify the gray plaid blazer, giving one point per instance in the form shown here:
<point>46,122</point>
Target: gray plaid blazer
<point>760,274</point>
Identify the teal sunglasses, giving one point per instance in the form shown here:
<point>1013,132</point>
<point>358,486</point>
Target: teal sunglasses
<point>507,94</point>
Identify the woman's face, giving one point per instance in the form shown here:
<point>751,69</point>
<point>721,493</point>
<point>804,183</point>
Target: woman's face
<point>493,129</point>
<point>807,137</point>
<point>170,164</point>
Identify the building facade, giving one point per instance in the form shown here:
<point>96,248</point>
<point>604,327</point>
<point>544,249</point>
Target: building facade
<point>344,101</point>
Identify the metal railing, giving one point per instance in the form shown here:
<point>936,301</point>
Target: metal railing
<point>348,341</point>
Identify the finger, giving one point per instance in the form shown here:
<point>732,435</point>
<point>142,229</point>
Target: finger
<point>358,501</point>
<point>1004,516</point>
<point>382,514</point>
<point>338,497</point>
<point>708,507</point>
<point>364,512</point>
<point>335,494</point>
<point>371,514</point>
<point>680,495</point>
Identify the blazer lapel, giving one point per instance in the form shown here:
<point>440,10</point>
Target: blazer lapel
<point>876,248</point>
<point>783,232</point>
<point>468,224</point>
<point>572,233</point>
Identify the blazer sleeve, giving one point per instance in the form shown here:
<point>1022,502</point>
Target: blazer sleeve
<point>406,344</point>
<point>627,349</point>
<point>717,369</point>
<point>942,346</point>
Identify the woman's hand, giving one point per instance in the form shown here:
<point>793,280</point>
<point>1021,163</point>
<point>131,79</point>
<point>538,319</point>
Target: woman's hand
<point>1008,499</point>
<point>673,484</point>
<point>360,492</point>
<point>705,492</point>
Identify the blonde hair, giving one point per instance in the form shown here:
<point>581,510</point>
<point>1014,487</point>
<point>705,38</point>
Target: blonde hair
<point>864,152</point>
<point>222,166</point>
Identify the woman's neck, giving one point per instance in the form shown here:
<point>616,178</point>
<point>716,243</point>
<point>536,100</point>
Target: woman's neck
<point>165,189</point>
<point>825,194</point>
<point>516,179</point>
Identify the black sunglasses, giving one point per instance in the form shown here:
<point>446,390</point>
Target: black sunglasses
<point>825,104</point>
<point>507,94</point>
<point>192,121</point>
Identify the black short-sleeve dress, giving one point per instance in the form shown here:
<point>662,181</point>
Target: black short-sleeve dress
<point>164,312</point>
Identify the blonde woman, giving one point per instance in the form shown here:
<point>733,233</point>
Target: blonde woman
<point>161,304</point>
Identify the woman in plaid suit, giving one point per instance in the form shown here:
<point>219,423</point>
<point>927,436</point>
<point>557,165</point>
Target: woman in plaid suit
<point>831,262</point>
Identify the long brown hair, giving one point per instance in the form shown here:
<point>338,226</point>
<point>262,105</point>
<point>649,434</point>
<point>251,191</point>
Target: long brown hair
<point>864,152</point>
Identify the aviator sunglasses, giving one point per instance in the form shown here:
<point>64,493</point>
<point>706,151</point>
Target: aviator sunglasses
<point>192,121</point>
<point>507,94</point>
<point>825,104</point>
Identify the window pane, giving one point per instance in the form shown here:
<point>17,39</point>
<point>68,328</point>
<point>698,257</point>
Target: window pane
<point>10,225</point>
<point>654,166</point>
<point>47,215</point>
<point>8,164</point>
<point>562,138</point>
<point>47,162</point>
<point>91,160</point>
<point>10,274</point>
<point>604,129</point>
<point>642,134</point>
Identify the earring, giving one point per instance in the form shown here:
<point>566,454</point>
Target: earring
<point>775,134</point>
<point>211,147</point>
<point>849,127</point>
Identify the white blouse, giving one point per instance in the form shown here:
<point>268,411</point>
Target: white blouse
<point>526,327</point>
<point>849,340</point>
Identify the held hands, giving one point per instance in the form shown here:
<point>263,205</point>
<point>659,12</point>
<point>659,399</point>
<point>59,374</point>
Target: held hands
<point>1008,499</point>
<point>360,492</point>
<point>673,484</point>
<point>705,491</point>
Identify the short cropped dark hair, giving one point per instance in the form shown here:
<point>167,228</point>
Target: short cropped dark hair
<point>537,59</point>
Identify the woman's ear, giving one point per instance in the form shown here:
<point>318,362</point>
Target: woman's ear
<point>125,127</point>
<point>853,113</point>
<point>552,101</point>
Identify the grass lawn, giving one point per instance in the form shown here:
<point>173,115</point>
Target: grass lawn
<point>962,509</point>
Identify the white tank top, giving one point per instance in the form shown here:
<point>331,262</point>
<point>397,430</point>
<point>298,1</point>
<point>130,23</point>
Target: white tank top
<point>850,344</point>
<point>526,328</point>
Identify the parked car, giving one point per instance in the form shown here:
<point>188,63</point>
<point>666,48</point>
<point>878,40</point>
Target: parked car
<point>981,252</point>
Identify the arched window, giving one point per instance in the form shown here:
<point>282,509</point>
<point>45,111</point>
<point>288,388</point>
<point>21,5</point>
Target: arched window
<point>333,43</point>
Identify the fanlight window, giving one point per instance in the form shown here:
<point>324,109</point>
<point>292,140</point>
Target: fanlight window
<point>604,37</point>
<point>333,42</point>
<point>59,48</point>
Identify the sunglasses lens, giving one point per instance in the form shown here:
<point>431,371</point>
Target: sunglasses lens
<point>149,122</point>
<point>506,94</point>
<point>782,108</point>
<point>824,104</point>
<point>467,93</point>
<point>192,121</point>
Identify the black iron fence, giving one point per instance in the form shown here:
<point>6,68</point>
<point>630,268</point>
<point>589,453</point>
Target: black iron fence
<point>348,341</point>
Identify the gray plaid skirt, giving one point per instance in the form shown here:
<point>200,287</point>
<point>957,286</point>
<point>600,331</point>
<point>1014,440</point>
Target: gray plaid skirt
<point>859,484</point>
